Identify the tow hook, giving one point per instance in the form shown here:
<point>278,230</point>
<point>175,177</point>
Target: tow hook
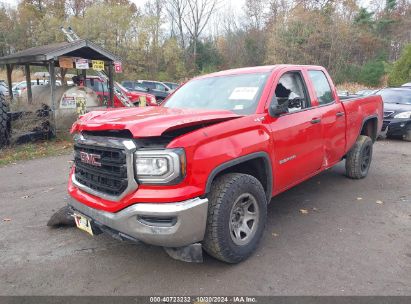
<point>191,253</point>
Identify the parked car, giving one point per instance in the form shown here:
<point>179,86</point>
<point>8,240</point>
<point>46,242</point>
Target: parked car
<point>171,85</point>
<point>366,92</point>
<point>137,97</point>
<point>408,84</point>
<point>133,86</point>
<point>158,89</point>
<point>199,170</point>
<point>100,86</point>
<point>21,86</point>
<point>397,112</point>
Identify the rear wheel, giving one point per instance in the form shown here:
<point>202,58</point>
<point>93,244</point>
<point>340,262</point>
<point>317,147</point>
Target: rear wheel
<point>4,122</point>
<point>358,160</point>
<point>236,217</point>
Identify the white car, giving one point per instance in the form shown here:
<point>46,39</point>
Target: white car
<point>21,86</point>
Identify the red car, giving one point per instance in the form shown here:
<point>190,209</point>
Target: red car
<point>100,87</point>
<point>199,170</point>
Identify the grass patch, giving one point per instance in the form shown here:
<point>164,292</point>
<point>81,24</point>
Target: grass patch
<point>54,147</point>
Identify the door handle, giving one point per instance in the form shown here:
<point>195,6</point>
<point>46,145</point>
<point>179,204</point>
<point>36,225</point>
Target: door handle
<point>315,120</point>
<point>339,114</point>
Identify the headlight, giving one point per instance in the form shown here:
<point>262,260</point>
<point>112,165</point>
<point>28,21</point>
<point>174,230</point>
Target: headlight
<point>403,115</point>
<point>160,166</point>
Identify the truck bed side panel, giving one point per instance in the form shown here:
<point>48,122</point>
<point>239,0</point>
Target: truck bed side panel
<point>358,110</point>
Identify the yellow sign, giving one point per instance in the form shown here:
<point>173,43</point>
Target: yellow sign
<point>80,105</point>
<point>143,101</point>
<point>66,62</point>
<point>98,65</point>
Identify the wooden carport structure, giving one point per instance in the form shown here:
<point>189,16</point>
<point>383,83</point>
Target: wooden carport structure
<point>48,56</point>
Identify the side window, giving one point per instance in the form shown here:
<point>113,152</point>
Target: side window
<point>160,87</point>
<point>149,85</point>
<point>291,90</point>
<point>322,87</point>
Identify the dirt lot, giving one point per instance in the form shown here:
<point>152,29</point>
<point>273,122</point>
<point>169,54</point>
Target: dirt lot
<point>354,240</point>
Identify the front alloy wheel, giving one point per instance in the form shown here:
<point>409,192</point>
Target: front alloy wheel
<point>244,219</point>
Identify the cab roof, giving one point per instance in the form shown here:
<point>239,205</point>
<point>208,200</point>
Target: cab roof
<point>257,69</point>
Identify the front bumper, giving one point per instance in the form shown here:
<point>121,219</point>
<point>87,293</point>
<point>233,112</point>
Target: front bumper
<point>162,224</point>
<point>396,127</point>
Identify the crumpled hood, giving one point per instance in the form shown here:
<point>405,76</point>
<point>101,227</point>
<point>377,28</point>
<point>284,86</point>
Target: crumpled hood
<point>148,121</point>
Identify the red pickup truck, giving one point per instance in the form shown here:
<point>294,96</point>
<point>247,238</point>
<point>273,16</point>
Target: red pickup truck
<point>200,169</point>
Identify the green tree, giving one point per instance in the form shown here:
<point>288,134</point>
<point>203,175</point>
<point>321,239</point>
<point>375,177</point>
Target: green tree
<point>372,72</point>
<point>401,71</point>
<point>364,17</point>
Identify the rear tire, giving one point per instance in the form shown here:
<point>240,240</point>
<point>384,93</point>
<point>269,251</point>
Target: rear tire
<point>4,122</point>
<point>237,213</point>
<point>358,159</point>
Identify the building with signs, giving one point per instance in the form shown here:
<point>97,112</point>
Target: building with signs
<point>79,54</point>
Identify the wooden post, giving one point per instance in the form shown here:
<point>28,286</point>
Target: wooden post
<point>111,84</point>
<point>9,68</point>
<point>52,95</point>
<point>28,82</point>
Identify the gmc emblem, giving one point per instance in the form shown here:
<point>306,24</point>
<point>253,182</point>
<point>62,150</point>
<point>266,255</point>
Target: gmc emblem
<point>89,158</point>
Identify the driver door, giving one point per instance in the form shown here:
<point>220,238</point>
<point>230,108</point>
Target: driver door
<point>297,137</point>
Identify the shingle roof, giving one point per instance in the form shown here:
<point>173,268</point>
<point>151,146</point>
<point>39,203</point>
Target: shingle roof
<point>79,48</point>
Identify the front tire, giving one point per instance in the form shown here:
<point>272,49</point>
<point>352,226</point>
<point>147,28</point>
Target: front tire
<point>237,213</point>
<point>358,159</point>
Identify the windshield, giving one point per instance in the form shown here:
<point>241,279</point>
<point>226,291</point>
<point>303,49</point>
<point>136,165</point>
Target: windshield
<point>237,93</point>
<point>396,96</point>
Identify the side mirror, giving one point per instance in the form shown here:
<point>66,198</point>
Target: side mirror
<point>276,109</point>
<point>167,89</point>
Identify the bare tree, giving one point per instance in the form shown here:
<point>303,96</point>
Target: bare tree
<point>254,10</point>
<point>177,10</point>
<point>78,7</point>
<point>191,18</point>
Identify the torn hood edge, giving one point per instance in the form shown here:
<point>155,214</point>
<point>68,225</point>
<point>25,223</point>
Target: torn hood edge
<point>149,123</point>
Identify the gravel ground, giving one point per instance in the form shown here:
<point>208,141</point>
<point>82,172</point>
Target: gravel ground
<point>328,236</point>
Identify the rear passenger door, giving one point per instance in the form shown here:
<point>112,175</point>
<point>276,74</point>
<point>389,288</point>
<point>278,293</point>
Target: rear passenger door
<point>332,116</point>
<point>297,136</point>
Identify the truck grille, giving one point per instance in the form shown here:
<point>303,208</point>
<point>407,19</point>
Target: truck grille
<point>108,175</point>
